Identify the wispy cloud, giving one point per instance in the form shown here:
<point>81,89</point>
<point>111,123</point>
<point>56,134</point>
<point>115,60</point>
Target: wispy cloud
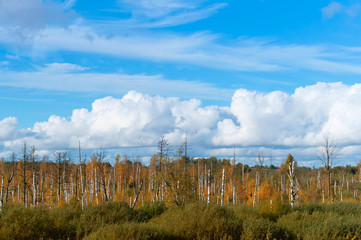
<point>150,9</point>
<point>75,78</point>
<point>335,8</point>
<point>68,4</point>
<point>201,49</point>
<point>161,19</point>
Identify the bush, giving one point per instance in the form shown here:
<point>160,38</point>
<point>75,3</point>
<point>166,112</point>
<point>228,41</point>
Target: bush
<point>320,225</point>
<point>275,211</point>
<point>18,222</point>
<point>64,221</point>
<point>102,215</point>
<point>149,211</point>
<point>129,231</point>
<point>258,228</point>
<point>199,221</point>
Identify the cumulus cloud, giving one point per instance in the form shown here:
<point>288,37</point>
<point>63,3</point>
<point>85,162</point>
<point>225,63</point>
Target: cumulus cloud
<point>8,128</point>
<point>132,121</point>
<point>275,122</point>
<point>298,119</point>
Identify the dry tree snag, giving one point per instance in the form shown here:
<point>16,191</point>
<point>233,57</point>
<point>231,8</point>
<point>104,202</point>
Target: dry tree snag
<point>327,155</point>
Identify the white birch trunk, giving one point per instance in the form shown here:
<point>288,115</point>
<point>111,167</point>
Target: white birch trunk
<point>222,188</point>
<point>34,189</point>
<point>209,187</point>
<point>234,195</point>
<point>2,193</point>
<point>292,183</point>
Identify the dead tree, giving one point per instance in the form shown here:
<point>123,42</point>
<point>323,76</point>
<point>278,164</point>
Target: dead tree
<point>11,172</point>
<point>33,157</point>
<point>209,187</point>
<point>137,196</point>
<point>102,173</point>
<point>261,158</point>
<point>291,163</point>
<point>222,187</point>
<point>327,155</point>
<point>24,163</point>
<point>81,179</point>
<point>60,159</point>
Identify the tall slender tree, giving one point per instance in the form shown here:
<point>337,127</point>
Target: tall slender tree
<point>327,154</point>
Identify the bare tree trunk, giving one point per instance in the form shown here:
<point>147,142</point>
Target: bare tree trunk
<point>24,163</point>
<point>41,186</point>
<point>136,197</point>
<point>51,185</point>
<point>292,183</point>
<point>81,179</point>
<point>209,187</point>
<point>341,192</point>
<point>96,186</point>
<point>34,189</point>
<point>222,188</point>
<point>11,177</point>
<point>255,189</point>
<point>65,189</point>
<point>234,195</point>
<point>33,156</point>
<point>243,183</point>
<point>2,192</point>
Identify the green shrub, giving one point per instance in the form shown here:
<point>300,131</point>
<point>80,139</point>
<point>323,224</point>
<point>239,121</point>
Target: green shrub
<point>339,208</point>
<point>258,228</point>
<point>274,211</point>
<point>18,222</point>
<point>199,221</point>
<point>320,225</point>
<point>129,231</point>
<point>149,211</point>
<point>64,221</point>
<point>102,215</point>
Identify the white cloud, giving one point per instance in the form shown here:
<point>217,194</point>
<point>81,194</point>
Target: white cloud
<point>276,123</point>
<point>135,120</point>
<point>299,119</point>
<point>21,20</point>
<point>159,8</point>
<point>74,78</point>
<point>12,57</point>
<point>68,4</point>
<point>159,14</point>
<point>200,49</point>
<point>62,68</point>
<point>8,128</point>
<point>335,8</point>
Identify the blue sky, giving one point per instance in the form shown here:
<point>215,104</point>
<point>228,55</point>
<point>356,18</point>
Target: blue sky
<point>60,56</point>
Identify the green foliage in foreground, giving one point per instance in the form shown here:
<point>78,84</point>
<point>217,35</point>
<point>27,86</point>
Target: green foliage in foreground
<point>192,221</point>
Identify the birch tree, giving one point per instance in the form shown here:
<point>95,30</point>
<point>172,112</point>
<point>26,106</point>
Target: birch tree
<point>291,164</point>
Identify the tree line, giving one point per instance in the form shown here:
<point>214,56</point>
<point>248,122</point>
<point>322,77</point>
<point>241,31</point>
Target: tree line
<point>175,180</point>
